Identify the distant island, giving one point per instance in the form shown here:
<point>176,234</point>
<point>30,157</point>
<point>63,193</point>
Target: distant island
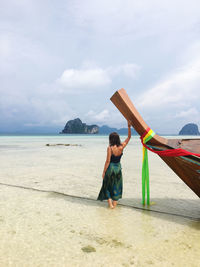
<point>190,129</point>
<point>107,130</point>
<point>76,126</point>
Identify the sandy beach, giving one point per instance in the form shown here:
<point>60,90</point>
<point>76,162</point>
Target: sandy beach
<point>39,227</point>
<point>49,229</point>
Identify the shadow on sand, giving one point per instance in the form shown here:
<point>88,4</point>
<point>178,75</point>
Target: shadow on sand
<point>182,211</point>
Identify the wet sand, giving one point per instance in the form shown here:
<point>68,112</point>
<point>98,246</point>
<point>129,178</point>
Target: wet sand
<point>49,229</point>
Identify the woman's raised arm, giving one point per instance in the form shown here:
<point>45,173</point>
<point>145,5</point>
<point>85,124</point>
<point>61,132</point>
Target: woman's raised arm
<point>129,136</point>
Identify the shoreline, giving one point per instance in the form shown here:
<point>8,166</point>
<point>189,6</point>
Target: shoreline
<point>122,203</point>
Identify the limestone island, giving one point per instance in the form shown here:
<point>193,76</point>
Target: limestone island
<point>189,129</point>
<point>76,126</point>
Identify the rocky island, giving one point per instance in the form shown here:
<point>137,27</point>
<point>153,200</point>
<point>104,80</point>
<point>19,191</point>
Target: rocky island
<point>76,126</point>
<point>189,129</point>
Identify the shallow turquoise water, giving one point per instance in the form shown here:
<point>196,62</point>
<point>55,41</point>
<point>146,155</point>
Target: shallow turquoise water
<point>76,170</point>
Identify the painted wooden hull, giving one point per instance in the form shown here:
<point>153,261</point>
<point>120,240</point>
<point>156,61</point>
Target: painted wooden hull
<point>186,167</point>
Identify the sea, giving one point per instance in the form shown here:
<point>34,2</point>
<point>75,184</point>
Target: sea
<point>49,215</point>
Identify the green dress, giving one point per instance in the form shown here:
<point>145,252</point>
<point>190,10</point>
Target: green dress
<point>112,186</point>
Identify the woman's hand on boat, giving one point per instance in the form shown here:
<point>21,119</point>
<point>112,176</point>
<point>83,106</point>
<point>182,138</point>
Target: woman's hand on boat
<point>103,175</point>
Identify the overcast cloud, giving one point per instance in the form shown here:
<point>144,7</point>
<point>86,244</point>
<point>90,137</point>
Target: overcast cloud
<point>62,60</point>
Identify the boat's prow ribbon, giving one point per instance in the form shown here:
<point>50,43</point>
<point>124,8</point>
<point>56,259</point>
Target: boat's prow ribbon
<point>173,152</point>
<point>148,134</point>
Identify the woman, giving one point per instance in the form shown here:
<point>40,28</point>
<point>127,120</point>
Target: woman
<point>112,176</point>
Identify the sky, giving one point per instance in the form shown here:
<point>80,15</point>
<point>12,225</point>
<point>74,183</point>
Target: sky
<point>60,60</point>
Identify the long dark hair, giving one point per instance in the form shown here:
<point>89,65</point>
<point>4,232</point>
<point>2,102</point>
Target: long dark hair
<point>114,139</point>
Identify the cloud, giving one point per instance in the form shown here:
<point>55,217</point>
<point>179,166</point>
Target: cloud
<point>135,19</point>
<point>180,88</point>
<point>129,70</point>
<point>173,101</point>
<point>190,114</point>
<point>94,78</point>
<point>108,116</point>
<point>60,59</point>
<point>64,98</point>
<point>98,117</point>
<point>89,78</point>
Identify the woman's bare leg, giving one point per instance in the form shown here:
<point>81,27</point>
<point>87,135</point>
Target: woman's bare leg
<point>110,203</point>
<point>114,203</point>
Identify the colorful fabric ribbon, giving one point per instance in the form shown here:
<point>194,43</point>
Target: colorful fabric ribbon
<point>176,152</point>
<point>149,133</point>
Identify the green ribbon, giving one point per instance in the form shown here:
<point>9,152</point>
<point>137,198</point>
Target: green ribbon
<point>145,171</point>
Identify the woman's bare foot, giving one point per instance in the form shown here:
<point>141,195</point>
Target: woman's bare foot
<point>110,204</point>
<point>114,203</point>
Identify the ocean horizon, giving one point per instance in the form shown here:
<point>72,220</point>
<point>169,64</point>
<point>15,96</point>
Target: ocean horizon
<point>61,134</point>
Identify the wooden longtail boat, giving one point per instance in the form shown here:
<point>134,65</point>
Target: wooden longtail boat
<point>187,167</point>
